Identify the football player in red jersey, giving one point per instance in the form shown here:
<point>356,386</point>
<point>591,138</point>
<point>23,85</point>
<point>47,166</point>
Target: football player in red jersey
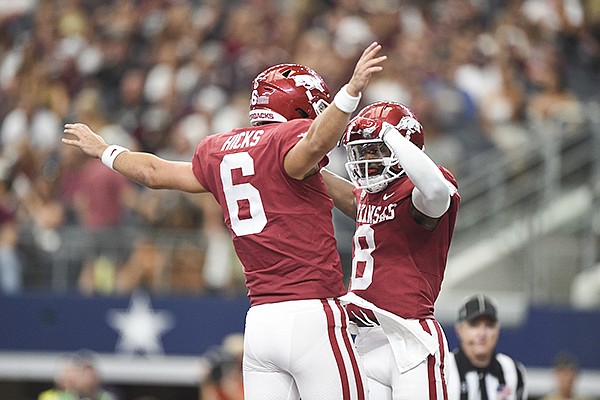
<point>274,201</point>
<point>405,209</point>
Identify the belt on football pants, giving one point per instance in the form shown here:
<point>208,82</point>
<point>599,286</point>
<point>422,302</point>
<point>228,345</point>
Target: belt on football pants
<point>365,323</point>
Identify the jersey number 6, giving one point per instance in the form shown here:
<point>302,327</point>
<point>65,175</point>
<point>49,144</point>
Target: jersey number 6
<point>234,194</point>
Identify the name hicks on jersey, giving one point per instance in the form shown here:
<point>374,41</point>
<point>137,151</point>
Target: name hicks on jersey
<point>371,214</point>
<point>242,139</point>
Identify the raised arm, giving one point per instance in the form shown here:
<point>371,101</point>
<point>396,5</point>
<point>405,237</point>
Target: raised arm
<point>431,195</point>
<point>327,128</point>
<point>144,168</point>
<point>340,190</point>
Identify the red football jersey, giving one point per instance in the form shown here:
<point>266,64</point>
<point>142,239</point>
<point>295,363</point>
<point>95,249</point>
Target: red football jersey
<point>397,264</point>
<point>281,227</point>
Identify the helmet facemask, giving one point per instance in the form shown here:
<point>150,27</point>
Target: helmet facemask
<point>372,164</point>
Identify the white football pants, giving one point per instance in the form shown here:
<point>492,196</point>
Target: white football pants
<point>300,349</point>
<point>426,381</point>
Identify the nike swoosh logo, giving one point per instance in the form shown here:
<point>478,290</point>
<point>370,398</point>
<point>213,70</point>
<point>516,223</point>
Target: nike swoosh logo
<point>387,196</point>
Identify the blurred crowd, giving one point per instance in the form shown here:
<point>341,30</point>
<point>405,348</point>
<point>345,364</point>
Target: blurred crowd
<point>159,75</point>
<point>81,376</point>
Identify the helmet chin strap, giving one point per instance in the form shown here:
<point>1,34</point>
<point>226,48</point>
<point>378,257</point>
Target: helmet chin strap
<point>367,182</point>
<point>376,188</point>
<point>373,184</point>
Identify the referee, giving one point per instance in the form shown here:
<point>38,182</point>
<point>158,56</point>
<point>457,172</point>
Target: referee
<point>475,370</point>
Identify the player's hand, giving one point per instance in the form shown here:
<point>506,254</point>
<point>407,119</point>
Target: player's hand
<point>366,66</point>
<point>83,137</point>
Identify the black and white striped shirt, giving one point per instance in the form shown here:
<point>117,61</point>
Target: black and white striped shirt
<point>503,379</point>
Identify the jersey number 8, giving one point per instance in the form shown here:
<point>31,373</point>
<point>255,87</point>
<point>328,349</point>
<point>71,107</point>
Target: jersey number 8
<point>362,256</point>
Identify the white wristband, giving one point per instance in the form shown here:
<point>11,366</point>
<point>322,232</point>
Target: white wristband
<point>345,102</point>
<point>111,152</point>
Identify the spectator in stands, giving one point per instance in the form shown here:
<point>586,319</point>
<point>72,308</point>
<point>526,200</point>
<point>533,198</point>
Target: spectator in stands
<point>102,200</point>
<point>552,100</point>
<point>168,255</point>
<point>224,378</point>
<point>64,383</point>
<point>88,383</point>
<point>78,379</point>
<point>566,372</point>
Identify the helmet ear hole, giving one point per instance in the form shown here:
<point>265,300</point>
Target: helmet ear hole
<point>302,113</point>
